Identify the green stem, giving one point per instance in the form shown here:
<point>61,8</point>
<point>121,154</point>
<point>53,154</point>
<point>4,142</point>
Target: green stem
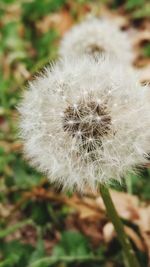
<point>123,239</point>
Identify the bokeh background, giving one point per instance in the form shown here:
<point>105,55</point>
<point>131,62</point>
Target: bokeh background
<point>40,226</point>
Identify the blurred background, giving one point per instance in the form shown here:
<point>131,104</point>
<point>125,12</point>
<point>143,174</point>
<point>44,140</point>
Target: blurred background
<point>40,227</point>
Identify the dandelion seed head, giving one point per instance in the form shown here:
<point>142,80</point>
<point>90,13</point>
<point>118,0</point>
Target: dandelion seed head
<point>96,36</point>
<point>86,139</point>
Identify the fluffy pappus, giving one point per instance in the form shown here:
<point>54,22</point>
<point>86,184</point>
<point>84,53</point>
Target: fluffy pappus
<point>95,36</point>
<point>84,122</point>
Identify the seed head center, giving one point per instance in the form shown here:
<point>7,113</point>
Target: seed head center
<point>94,49</point>
<point>87,120</point>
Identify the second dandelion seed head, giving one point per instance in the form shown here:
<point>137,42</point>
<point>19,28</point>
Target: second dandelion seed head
<point>96,36</point>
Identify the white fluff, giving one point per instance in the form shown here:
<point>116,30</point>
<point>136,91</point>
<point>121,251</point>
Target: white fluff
<point>97,34</point>
<point>63,157</point>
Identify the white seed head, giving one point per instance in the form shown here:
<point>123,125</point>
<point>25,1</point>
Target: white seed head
<point>95,140</point>
<point>95,36</point>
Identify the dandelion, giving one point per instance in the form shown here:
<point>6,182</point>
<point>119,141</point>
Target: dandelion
<point>95,36</point>
<point>85,122</point>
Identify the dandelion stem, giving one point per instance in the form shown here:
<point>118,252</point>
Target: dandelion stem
<point>123,239</point>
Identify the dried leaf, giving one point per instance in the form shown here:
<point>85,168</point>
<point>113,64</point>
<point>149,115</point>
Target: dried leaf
<point>109,233</point>
<point>62,21</point>
<point>144,226</point>
<point>126,205</point>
